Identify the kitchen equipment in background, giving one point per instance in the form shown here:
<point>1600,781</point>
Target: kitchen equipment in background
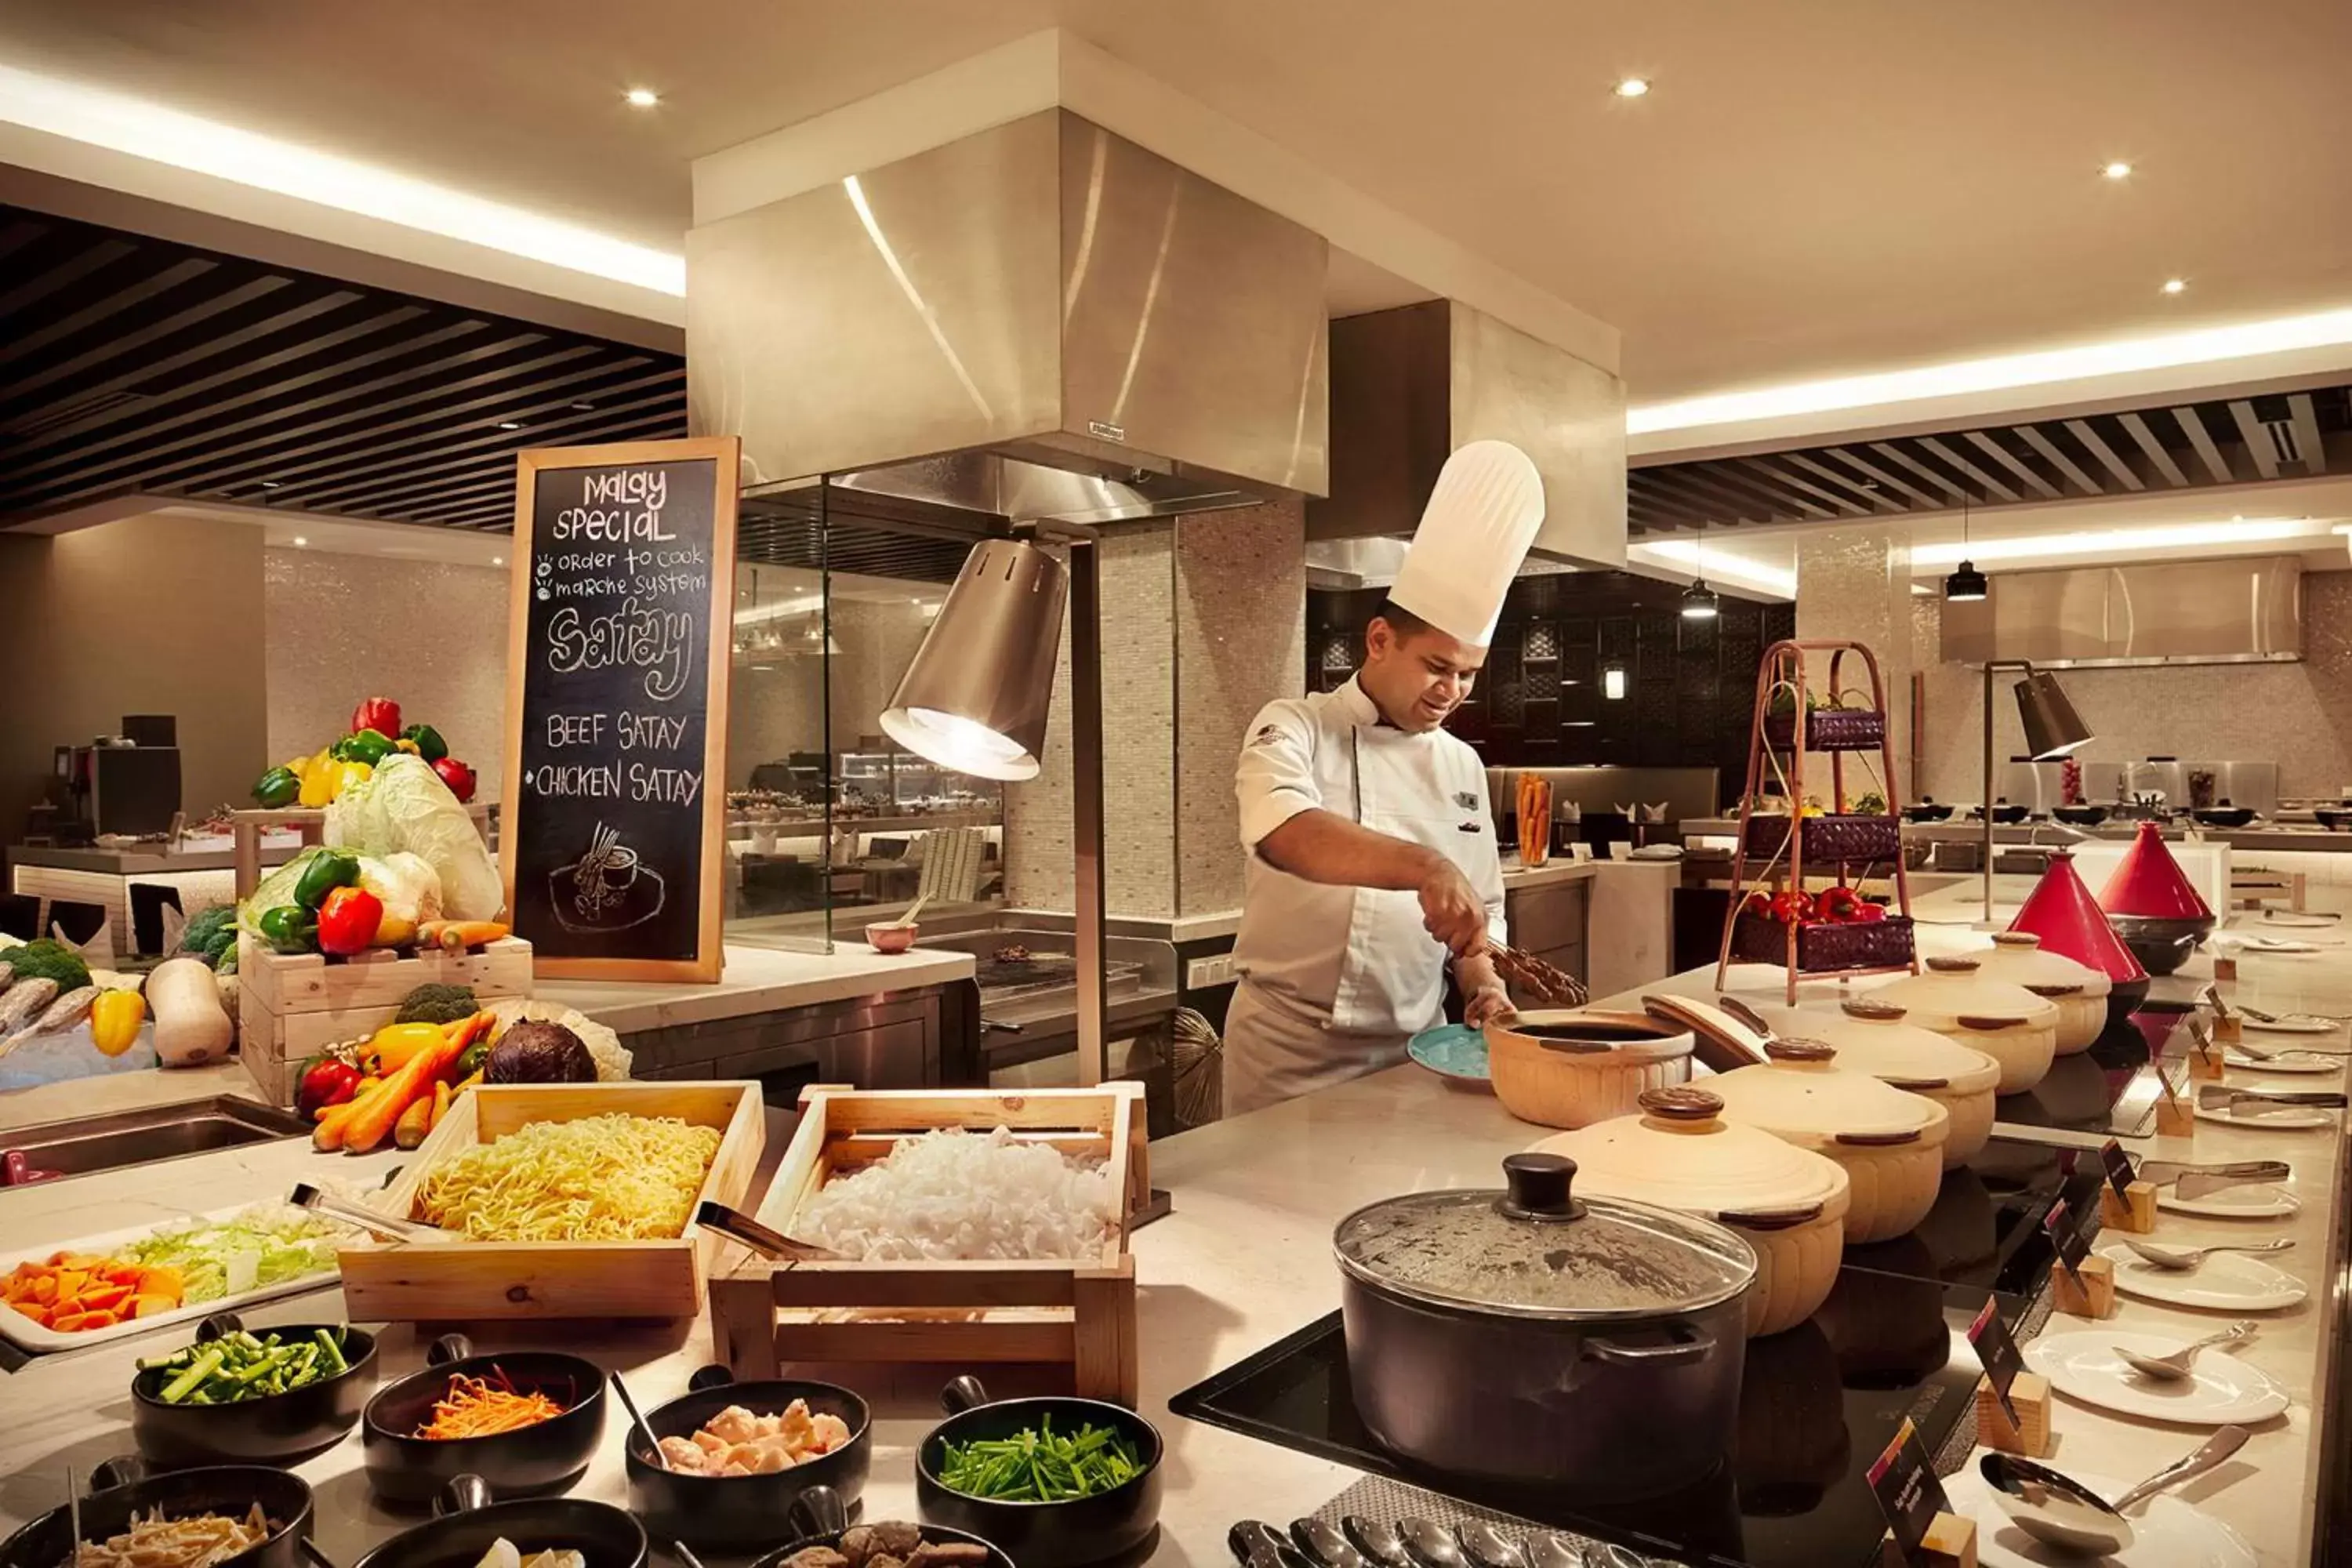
<point>2007,1022</point>
<point>1788,1203</point>
<point>123,784</point>
<point>2069,923</point>
<point>1537,1335</point>
<point>2079,992</point>
<point>1890,1142</point>
<point>2152,905</point>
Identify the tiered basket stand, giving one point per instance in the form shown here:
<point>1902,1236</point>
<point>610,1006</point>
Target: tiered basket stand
<point>1835,843</point>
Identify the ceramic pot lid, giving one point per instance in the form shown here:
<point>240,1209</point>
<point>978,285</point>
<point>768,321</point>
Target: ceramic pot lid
<point>1602,1038</point>
<point>2149,881</point>
<point>1725,1039</point>
<point>2062,913</point>
<point>2018,957</point>
<point>1803,1094</point>
<point>1953,995</point>
<point>1681,1154</point>
<point>1876,1037</point>
<point>1536,1249</point>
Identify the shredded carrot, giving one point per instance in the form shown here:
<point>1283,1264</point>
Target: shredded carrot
<point>479,1406</point>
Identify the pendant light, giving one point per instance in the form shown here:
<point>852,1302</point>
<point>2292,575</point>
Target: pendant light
<point>1700,603</point>
<point>1966,585</point>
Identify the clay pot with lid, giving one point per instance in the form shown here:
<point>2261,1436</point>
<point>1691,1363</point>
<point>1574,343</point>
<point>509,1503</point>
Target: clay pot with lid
<point>2006,1022</point>
<point>1890,1142</point>
<point>1536,1335</point>
<point>1570,1067</point>
<point>1789,1204</point>
<point>2079,992</point>
<point>1878,1038</point>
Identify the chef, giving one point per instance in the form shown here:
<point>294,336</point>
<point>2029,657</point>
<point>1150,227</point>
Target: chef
<point>1373,860</point>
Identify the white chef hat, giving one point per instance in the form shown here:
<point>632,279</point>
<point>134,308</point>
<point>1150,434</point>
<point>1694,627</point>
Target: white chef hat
<point>1481,518</point>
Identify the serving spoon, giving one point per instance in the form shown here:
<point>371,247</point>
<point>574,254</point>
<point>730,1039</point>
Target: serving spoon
<point>1431,1545</point>
<point>661,1460</point>
<point>2187,1257</point>
<point>1490,1548</point>
<point>2255,1053</point>
<point>2174,1367</point>
<point>2051,1506</point>
<point>1376,1539</point>
<point>1323,1544</point>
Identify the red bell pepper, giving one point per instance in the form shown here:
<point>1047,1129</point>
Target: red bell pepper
<point>381,714</point>
<point>328,1080</point>
<point>348,918</point>
<point>1838,904</point>
<point>1759,904</point>
<point>457,776</point>
<point>1866,911</point>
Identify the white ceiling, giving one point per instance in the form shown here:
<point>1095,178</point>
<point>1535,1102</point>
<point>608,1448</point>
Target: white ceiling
<point>1814,187</point>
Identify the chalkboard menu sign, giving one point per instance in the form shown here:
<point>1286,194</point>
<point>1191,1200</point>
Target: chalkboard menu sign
<point>614,810</point>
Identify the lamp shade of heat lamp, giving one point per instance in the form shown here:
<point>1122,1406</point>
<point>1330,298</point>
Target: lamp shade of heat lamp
<point>2069,923</point>
<point>2052,728</point>
<point>975,697</point>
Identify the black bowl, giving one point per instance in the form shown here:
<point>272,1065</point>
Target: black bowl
<point>2225,815</point>
<point>1926,811</point>
<point>123,1487</point>
<point>819,1518</point>
<point>1041,1534</point>
<point>529,1461</point>
<point>2080,816</point>
<point>2332,819</point>
<point>2001,812</point>
<point>2162,943</point>
<point>272,1430</point>
<point>467,1523</point>
<point>739,1510</point>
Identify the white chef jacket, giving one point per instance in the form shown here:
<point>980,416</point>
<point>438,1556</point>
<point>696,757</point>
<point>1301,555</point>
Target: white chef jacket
<point>1357,960</point>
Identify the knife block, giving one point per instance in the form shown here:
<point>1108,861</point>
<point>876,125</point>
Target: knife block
<point>1950,1543</point>
<point>2028,1437</point>
<point>2094,1298</point>
<point>2175,1117</point>
<point>2135,1213</point>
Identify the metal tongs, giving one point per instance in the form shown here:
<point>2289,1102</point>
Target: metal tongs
<point>2220,1097</point>
<point>737,1225</point>
<point>2191,1181</point>
<point>307,1196</point>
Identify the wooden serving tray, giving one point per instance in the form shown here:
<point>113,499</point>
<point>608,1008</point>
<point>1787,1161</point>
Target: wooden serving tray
<point>383,1282</point>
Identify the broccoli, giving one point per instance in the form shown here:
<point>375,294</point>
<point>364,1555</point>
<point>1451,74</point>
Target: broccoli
<point>438,1004</point>
<point>47,960</point>
<point>211,933</point>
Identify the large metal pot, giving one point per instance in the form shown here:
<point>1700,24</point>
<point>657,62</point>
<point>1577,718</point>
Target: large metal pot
<point>1532,1336</point>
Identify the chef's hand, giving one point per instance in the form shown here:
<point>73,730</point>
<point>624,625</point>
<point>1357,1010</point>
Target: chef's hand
<point>1490,1002</point>
<point>1452,910</point>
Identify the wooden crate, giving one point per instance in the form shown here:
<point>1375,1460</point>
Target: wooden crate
<point>290,1005</point>
<point>556,1278</point>
<point>1080,1313</point>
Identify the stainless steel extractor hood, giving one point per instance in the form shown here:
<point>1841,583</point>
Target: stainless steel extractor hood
<point>1041,321</point>
<point>1410,385</point>
<point>2240,611</point>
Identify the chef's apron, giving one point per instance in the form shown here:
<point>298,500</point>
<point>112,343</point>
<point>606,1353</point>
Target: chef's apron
<point>1278,1046</point>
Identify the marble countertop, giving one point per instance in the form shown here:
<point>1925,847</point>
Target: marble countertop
<point>758,980</point>
<point>214,853</point>
<point>1242,1261</point>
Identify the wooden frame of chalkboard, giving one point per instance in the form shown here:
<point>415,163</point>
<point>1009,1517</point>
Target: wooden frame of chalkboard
<point>610,914</point>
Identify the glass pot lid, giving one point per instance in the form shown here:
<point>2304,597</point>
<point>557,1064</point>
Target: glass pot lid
<point>1537,1250</point>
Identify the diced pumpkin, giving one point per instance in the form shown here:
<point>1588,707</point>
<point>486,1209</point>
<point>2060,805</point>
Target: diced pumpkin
<point>106,1298</point>
<point>152,1306</point>
<point>162,1280</point>
<point>102,1320</point>
<point>69,1322</point>
<point>70,1283</point>
<point>123,1273</point>
<point>45,1288</point>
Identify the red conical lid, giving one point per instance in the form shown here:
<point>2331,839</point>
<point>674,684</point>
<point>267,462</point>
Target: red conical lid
<point>2149,881</point>
<point>2062,913</point>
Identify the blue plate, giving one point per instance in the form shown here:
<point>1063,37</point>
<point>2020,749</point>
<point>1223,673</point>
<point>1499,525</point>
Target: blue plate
<point>1451,1050</point>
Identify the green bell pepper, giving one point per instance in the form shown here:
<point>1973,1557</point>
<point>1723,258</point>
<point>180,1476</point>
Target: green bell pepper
<point>289,928</point>
<point>369,746</point>
<point>328,870</point>
<point>428,742</point>
<point>278,788</point>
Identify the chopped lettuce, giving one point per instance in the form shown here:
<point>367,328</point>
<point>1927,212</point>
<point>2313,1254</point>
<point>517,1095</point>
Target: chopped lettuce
<point>266,1244</point>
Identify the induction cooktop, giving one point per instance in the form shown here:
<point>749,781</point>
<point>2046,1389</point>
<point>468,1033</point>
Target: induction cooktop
<point>1818,1404</point>
<point>2110,1088</point>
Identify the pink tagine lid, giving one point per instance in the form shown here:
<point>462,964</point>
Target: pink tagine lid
<point>2062,913</point>
<point>2149,881</point>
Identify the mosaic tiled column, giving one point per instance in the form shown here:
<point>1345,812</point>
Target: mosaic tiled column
<point>1854,584</point>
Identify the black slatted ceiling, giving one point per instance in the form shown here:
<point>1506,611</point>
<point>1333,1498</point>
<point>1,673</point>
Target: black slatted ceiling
<point>129,365</point>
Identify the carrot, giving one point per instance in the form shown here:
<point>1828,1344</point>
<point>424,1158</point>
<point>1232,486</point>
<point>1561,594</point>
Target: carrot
<point>457,936</point>
<point>440,1103</point>
<point>373,1123</point>
<point>416,1120</point>
<point>330,1133</point>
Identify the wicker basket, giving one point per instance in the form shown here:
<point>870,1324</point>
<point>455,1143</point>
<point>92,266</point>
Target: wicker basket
<point>1829,729</point>
<point>1850,837</point>
<point>1823,945</point>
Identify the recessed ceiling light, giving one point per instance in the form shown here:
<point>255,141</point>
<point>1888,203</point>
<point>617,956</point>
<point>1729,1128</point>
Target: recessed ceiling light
<point>642,96</point>
<point>299,542</point>
<point>2118,170</point>
<point>2175,285</point>
<point>510,424</point>
<point>1633,87</point>
<point>271,484</point>
<point>583,406</point>
<point>498,560</point>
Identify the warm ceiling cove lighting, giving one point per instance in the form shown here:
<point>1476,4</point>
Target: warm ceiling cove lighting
<point>2116,540</point>
<point>146,130</point>
<point>1633,87</point>
<point>642,96</point>
<point>2167,350</point>
<point>2175,285</point>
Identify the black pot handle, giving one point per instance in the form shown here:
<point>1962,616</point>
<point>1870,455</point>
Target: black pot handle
<point>715,1376</point>
<point>464,1494</point>
<point>219,1326</point>
<point>448,1350</point>
<point>1682,1353</point>
<point>121,1470</point>
<point>962,1393</point>
<point>817,1516</point>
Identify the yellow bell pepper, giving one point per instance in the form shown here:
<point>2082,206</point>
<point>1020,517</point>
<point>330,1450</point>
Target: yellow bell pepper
<point>114,1020</point>
<point>406,745</point>
<point>394,1043</point>
<point>318,780</point>
<point>343,775</point>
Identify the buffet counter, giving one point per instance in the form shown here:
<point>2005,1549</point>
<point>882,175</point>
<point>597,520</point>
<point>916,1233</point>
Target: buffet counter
<point>1242,1261</point>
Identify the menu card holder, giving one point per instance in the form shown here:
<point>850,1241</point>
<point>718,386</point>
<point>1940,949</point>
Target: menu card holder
<point>2126,1202</point>
<point>2082,1286</point>
<point>2012,1404</point>
<point>1922,1530</point>
<point>2174,1117</point>
<point>2206,1059</point>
